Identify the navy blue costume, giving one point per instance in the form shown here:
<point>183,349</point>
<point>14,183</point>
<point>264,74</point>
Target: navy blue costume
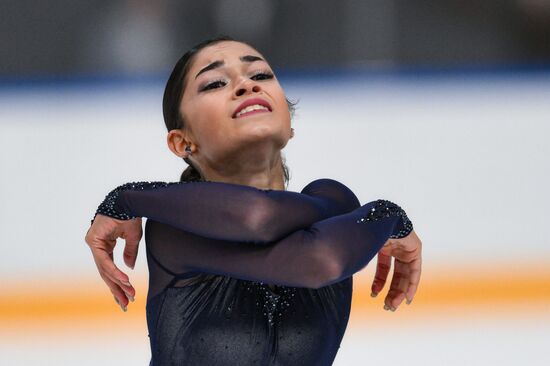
<point>245,276</point>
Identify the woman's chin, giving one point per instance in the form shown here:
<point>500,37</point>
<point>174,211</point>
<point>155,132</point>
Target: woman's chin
<point>263,132</point>
<point>258,123</point>
<point>262,127</point>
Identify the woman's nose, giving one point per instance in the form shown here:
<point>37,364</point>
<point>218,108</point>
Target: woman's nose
<point>247,86</point>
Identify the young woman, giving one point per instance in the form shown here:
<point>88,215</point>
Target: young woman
<point>241,271</point>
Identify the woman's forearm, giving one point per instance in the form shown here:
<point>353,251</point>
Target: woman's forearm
<point>326,252</point>
<point>227,211</point>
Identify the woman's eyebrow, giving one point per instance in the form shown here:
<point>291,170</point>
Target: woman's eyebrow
<point>219,63</point>
<point>250,58</point>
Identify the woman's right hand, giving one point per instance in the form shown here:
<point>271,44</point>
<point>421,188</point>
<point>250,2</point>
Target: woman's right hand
<point>407,252</point>
<point>101,238</point>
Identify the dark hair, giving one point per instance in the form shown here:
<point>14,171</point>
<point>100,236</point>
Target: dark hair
<point>173,94</point>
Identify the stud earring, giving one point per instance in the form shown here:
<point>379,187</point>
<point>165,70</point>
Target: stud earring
<point>188,149</point>
<point>292,132</point>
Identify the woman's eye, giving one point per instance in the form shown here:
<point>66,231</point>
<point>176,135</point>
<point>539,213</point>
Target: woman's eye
<point>213,85</point>
<point>262,76</point>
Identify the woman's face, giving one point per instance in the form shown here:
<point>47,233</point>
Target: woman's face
<point>232,102</point>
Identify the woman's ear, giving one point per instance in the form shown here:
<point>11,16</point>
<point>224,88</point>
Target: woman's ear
<point>178,142</point>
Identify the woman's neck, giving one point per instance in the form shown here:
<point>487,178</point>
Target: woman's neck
<point>261,181</point>
<point>270,176</point>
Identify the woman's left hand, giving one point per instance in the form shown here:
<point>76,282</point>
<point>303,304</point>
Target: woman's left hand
<point>101,238</point>
<point>407,253</point>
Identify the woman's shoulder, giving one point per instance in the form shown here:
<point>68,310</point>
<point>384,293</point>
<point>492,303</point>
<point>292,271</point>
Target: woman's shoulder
<point>333,190</point>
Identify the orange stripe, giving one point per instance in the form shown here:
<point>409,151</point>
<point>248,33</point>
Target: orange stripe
<point>444,292</point>
<point>472,291</point>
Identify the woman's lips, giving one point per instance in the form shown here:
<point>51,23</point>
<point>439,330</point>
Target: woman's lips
<point>254,104</point>
<point>246,114</point>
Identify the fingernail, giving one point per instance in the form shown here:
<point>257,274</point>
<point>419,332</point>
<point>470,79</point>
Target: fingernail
<point>124,308</point>
<point>409,301</point>
<point>373,294</point>
<point>114,297</point>
<point>386,307</point>
<point>129,296</point>
<point>125,283</point>
<point>393,309</point>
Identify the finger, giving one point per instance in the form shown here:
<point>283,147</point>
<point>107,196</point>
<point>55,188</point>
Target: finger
<point>383,267</point>
<point>404,254</point>
<point>407,250</point>
<point>414,279</point>
<point>127,290</point>
<point>132,246</point>
<point>125,286</point>
<point>101,239</point>
<point>117,292</point>
<point>106,266</point>
<point>398,286</point>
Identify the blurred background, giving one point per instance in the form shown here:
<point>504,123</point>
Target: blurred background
<point>440,106</point>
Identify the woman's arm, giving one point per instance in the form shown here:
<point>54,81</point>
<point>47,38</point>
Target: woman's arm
<point>229,211</point>
<point>326,252</point>
<point>211,209</point>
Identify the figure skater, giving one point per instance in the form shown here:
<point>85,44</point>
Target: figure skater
<point>242,271</point>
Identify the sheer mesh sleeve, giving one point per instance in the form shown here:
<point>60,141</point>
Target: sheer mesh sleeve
<point>227,211</point>
<point>309,239</point>
<point>326,252</point>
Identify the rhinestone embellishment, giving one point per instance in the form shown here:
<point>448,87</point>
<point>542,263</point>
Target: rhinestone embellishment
<point>109,205</point>
<point>385,208</point>
<point>273,305</point>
